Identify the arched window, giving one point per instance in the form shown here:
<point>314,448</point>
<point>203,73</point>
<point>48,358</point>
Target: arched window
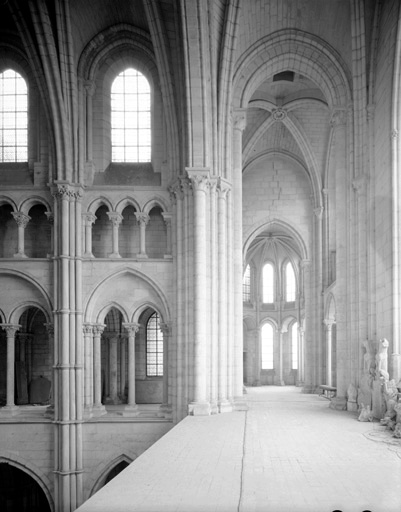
<point>13,117</point>
<point>290,283</point>
<point>130,117</point>
<point>154,347</point>
<point>268,283</point>
<point>294,346</point>
<point>246,285</point>
<point>267,347</point>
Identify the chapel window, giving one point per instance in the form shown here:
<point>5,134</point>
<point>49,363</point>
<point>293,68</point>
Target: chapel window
<point>130,117</point>
<point>290,283</point>
<point>267,346</point>
<point>154,347</point>
<point>268,283</point>
<point>13,117</point>
<point>246,285</point>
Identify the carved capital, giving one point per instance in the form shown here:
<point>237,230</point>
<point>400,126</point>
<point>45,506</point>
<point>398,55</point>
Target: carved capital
<point>394,134</point>
<point>167,216</point>
<point>279,114</point>
<point>142,218</point>
<point>166,329</point>
<point>115,218</point>
<point>87,329</point>
<point>98,329</point>
<point>21,219</point>
<point>50,329</point>
<point>223,187</point>
<point>200,178</point>
<point>318,212</point>
<point>338,117</point>
<point>90,87</point>
<point>10,329</point>
<point>131,328</point>
<point>328,324</point>
<point>89,218</point>
<point>239,119</point>
<point>50,217</point>
<point>305,263</point>
<point>359,183</point>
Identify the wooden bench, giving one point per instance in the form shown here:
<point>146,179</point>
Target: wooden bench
<point>328,391</point>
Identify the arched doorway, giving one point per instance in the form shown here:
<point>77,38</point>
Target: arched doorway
<point>19,492</point>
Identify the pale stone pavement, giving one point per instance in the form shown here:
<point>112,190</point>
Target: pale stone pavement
<point>288,453</point>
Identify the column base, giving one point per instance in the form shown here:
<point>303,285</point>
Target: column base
<point>131,410</point>
<point>113,401</point>
<point>99,410</point>
<point>338,403</point>
<point>199,409</point>
<point>395,367</point>
<point>352,406</point>
<point>142,256</point>
<point>20,255</point>
<point>165,411</point>
<point>50,412</point>
<point>225,406</point>
<point>88,255</point>
<point>88,412</point>
<point>168,256</point>
<point>114,255</point>
<point>9,410</point>
<point>308,389</point>
<point>214,408</point>
<point>239,404</point>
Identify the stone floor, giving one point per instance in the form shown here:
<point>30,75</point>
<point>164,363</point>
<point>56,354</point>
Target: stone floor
<point>288,453</point>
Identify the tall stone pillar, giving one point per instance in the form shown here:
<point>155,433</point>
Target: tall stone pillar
<point>22,221</point>
<point>143,219</point>
<point>88,379</point>
<point>317,296</point>
<point>131,409</point>
<point>307,339</point>
<point>301,364</point>
<point>115,219</point>
<point>50,334</point>
<point>89,219</point>
<point>165,408</point>
<point>98,408</point>
<point>113,369</point>
<point>10,408</point>
<point>280,378</point>
<point>328,324</point>
<point>90,88</point>
<point>257,362</point>
<point>223,364</point>
<point>50,218</point>
<point>239,122</point>
<point>200,184</point>
<point>123,364</point>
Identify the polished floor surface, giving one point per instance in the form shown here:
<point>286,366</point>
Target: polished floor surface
<point>288,453</point>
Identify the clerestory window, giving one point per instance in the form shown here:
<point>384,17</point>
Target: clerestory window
<point>13,117</point>
<point>290,283</point>
<point>294,346</point>
<point>131,117</point>
<point>246,285</point>
<point>154,347</point>
<point>268,283</point>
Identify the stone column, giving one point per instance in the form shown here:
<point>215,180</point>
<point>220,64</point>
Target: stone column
<point>301,377</point>
<point>165,408</point>
<point>98,408</point>
<point>90,88</point>
<point>22,221</point>
<point>280,380</point>
<point>131,409</point>
<point>123,361</point>
<point>200,183</point>
<point>328,324</point>
<point>167,219</point>
<point>317,296</point>
<point>239,122</point>
<point>88,356</point>
<point>89,219</point>
<point>115,219</point>
<point>10,407</point>
<point>223,366</point>
<point>50,334</point>
<point>143,219</point>
<point>113,369</point>
<point>257,363</point>
<point>50,218</point>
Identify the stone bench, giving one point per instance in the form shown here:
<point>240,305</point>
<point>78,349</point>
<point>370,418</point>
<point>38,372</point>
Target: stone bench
<point>327,391</point>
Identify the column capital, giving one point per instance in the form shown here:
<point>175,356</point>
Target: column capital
<point>338,117</point>
<point>239,119</point>
<point>142,217</point>
<point>21,219</point>
<point>115,218</point>
<point>87,328</point>
<point>90,87</point>
<point>223,187</point>
<point>89,217</point>
<point>318,212</point>
<point>167,216</point>
<point>359,184</point>
<point>305,263</point>
<point>10,329</point>
<point>50,217</point>
<point>98,329</point>
<point>328,323</point>
<point>166,329</point>
<point>64,190</point>
<point>199,178</point>
<point>131,328</point>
